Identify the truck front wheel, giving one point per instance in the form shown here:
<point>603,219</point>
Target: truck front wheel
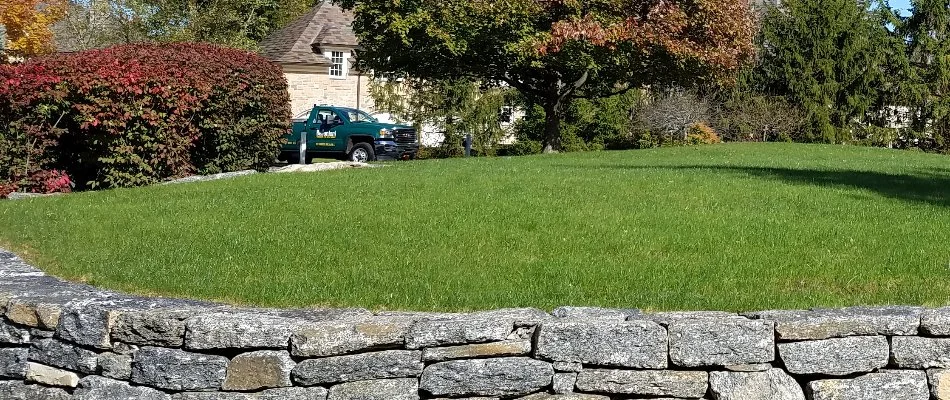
<point>362,152</point>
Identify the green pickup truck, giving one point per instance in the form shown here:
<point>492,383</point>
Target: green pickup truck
<point>347,133</point>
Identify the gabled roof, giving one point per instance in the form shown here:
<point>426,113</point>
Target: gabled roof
<point>301,41</point>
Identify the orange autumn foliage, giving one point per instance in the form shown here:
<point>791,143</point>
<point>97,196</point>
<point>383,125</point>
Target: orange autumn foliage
<point>28,25</point>
<point>717,32</point>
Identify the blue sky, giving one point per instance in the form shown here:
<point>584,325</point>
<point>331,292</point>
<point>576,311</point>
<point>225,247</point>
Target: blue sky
<point>901,5</point>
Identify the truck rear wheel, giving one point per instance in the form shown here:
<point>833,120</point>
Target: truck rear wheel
<point>362,152</point>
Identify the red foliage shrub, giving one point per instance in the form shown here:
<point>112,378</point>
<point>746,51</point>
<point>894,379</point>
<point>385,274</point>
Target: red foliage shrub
<point>138,114</point>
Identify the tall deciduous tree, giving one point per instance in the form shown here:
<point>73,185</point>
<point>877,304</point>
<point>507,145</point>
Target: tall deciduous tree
<point>27,24</point>
<point>235,23</point>
<point>553,51</point>
<point>829,57</point>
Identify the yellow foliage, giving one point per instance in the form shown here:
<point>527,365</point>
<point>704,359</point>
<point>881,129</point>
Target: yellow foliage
<point>700,133</point>
<point>28,25</point>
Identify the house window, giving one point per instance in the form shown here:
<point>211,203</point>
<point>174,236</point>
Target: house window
<point>338,64</point>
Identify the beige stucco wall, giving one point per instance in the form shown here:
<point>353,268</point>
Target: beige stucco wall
<point>313,85</point>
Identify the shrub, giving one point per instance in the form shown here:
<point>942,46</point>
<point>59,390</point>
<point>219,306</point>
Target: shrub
<point>700,133</point>
<point>445,150</point>
<point>668,114</point>
<point>522,147</point>
<point>138,114</point>
<point>30,109</point>
<point>747,117</point>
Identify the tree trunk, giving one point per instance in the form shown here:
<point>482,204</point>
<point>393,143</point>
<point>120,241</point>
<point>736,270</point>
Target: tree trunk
<point>552,126</point>
<point>554,105</point>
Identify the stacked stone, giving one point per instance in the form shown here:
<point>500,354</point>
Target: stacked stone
<point>60,341</point>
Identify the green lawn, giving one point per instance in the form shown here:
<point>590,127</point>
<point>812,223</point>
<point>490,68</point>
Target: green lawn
<point>733,227</point>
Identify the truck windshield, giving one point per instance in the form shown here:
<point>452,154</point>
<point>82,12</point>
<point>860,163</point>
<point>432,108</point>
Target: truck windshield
<point>356,116</point>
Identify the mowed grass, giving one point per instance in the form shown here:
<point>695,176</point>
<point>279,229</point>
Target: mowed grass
<point>731,227</point>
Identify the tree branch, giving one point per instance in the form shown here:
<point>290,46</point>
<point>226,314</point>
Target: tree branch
<point>614,93</point>
<point>564,93</point>
<point>522,86</point>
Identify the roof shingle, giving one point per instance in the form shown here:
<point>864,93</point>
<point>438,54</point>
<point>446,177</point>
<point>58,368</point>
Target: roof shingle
<point>300,41</point>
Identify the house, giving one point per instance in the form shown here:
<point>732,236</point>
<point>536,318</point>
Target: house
<point>316,52</point>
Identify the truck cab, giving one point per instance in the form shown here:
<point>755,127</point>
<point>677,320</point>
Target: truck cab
<point>350,134</point>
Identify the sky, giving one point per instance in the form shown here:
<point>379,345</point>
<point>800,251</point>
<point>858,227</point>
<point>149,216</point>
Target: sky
<point>901,5</point>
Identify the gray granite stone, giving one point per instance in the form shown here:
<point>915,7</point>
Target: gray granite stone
<point>178,370</point>
<point>457,331</point>
<point>30,299</point>
<point>480,350</point>
<point>519,316</point>
<point>344,337</point>
<point>773,384</point>
<point>86,323</point>
<point>227,330</point>
<point>358,367</point>
<point>564,382</point>
<point>914,352</point>
<point>562,366</point>
<point>13,362</point>
<point>40,300</point>
<point>748,367</point>
<point>40,334</point>
<point>291,393</point>
<point>835,357</point>
<point>11,334</point>
<point>12,265</point>
<point>64,355</point>
<point>385,389</point>
<point>259,370</point>
<point>680,384</point>
<point>890,385</point>
<point>618,314</point>
<point>90,322</point>
<point>633,344</point>
<point>315,314</point>
<point>99,388</point>
<point>935,322</point>
<point>124,349</point>
<point>854,321</point>
<point>17,390</point>
<point>512,376</point>
<point>721,341</point>
<point>666,318</point>
<point>115,366</point>
<point>160,327</point>
<point>523,332</point>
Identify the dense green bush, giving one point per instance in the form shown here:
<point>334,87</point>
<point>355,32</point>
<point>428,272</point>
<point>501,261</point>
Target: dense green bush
<point>588,125</point>
<point>445,150</point>
<point>139,114</point>
<point>521,148</point>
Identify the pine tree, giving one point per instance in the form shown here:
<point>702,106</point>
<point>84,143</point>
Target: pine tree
<point>928,36</point>
<point>829,57</point>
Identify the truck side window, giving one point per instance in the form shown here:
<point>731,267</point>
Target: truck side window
<point>328,120</point>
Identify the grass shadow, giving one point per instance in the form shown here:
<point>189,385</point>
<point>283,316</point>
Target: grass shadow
<point>931,187</point>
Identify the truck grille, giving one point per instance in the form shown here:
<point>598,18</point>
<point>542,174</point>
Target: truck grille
<point>405,136</point>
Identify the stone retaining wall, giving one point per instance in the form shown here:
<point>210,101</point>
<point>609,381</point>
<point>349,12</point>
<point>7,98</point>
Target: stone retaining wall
<point>60,340</point>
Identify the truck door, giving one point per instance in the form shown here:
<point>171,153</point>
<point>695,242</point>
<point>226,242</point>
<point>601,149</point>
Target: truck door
<point>325,136</point>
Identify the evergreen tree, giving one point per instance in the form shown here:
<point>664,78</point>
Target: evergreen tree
<point>927,31</point>
<point>829,57</point>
